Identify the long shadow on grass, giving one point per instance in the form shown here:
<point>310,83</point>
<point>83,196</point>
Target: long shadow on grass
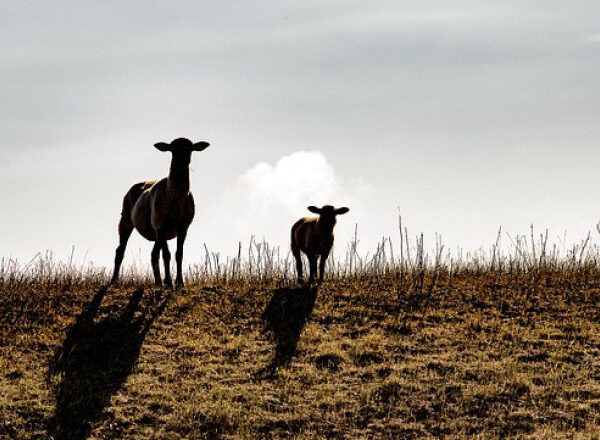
<point>285,316</point>
<point>95,360</point>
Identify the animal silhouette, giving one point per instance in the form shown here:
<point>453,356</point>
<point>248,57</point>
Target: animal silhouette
<point>314,237</point>
<point>161,210</point>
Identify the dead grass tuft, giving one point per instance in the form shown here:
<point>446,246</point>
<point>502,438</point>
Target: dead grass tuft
<point>395,347</point>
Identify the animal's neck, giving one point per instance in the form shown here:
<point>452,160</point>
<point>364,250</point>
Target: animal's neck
<point>179,179</point>
<point>326,225</point>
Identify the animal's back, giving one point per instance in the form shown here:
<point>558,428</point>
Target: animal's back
<point>133,195</point>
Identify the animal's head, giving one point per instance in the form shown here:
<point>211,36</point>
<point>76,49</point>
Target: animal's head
<point>328,213</point>
<point>182,149</point>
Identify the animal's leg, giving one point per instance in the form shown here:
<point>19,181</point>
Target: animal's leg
<point>125,229</point>
<point>313,268</point>
<point>179,257</point>
<point>155,266</point>
<point>296,253</point>
<point>322,262</point>
<point>167,261</point>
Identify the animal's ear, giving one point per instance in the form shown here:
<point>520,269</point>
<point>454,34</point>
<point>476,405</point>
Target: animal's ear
<point>162,146</point>
<point>199,146</point>
<point>341,211</point>
<point>314,209</point>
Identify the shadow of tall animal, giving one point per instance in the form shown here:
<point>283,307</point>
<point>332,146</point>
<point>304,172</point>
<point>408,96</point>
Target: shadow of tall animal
<point>95,360</point>
<point>161,211</point>
<point>285,317</point>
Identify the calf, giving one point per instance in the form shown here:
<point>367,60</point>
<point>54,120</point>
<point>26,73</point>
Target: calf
<point>314,237</point>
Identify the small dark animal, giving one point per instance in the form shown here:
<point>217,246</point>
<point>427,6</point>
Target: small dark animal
<point>314,237</point>
<point>161,210</point>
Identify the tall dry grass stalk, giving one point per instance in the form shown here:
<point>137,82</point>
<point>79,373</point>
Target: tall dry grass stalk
<point>410,261</point>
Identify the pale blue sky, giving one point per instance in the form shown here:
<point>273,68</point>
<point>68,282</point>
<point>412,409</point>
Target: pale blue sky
<point>466,115</point>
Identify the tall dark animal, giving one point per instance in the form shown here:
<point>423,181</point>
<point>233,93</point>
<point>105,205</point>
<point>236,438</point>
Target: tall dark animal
<point>314,237</point>
<point>161,210</point>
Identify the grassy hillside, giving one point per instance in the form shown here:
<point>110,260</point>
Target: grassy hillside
<point>493,354</point>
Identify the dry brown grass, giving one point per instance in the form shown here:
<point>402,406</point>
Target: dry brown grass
<point>410,352</point>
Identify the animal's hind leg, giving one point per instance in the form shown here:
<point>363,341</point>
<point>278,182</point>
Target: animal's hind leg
<point>167,261</point>
<point>155,267</point>
<point>296,253</point>
<point>125,230</point>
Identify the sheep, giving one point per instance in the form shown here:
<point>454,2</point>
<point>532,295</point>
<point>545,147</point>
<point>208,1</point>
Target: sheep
<point>161,210</point>
<point>314,237</point>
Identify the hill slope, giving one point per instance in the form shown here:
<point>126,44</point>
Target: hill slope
<point>354,359</point>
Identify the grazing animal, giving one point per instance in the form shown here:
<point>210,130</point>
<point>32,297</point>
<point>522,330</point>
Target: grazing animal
<point>314,237</point>
<point>161,210</point>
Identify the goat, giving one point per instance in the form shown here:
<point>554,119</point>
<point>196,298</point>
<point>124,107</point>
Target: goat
<point>161,210</point>
<point>314,237</point>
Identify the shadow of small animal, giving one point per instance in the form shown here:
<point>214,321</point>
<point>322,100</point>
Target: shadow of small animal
<point>95,360</point>
<point>284,317</point>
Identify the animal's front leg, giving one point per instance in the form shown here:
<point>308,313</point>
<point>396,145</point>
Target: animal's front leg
<point>313,268</point>
<point>179,257</point>
<point>154,259</point>
<point>322,262</point>
<point>161,242</point>
<point>167,262</point>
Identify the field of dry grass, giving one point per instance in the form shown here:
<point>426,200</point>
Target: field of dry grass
<point>500,352</point>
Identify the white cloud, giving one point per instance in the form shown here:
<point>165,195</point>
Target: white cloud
<point>297,179</point>
<point>267,198</point>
